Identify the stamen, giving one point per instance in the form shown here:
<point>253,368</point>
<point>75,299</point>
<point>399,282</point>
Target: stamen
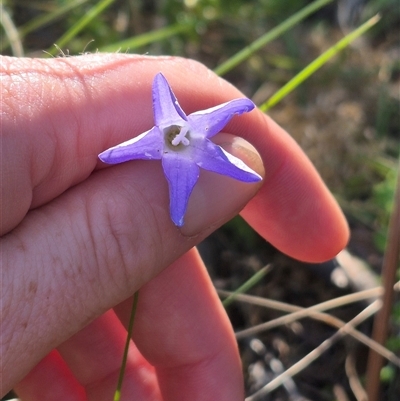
<point>175,137</point>
<point>180,138</point>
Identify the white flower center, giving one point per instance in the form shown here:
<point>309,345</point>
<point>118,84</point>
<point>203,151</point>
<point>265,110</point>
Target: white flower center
<point>176,135</point>
<point>181,137</point>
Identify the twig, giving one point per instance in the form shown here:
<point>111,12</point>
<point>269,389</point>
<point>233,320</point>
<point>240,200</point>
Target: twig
<point>315,353</point>
<point>381,323</point>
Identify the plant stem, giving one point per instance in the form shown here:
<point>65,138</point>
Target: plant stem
<point>117,394</point>
<point>381,322</point>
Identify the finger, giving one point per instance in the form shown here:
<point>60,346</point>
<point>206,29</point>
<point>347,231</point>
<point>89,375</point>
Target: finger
<point>192,344</point>
<point>91,248</point>
<point>294,210</point>
<point>51,144</point>
<point>50,379</point>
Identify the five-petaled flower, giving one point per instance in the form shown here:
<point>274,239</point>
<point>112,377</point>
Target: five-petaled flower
<point>183,144</point>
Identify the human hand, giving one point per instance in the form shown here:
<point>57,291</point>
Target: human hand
<point>79,238</point>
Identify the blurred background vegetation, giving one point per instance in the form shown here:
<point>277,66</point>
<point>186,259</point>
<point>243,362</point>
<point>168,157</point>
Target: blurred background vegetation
<point>346,116</point>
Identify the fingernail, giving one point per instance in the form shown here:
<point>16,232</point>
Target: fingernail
<point>217,198</point>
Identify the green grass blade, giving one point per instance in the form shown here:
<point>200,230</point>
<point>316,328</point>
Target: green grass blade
<point>48,18</point>
<point>11,32</point>
<point>117,394</point>
<point>146,38</point>
<point>274,33</point>
<point>252,281</point>
<point>317,63</point>
<point>80,24</point>
<point>43,20</point>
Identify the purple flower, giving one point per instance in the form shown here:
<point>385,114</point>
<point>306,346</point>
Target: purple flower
<point>183,144</point>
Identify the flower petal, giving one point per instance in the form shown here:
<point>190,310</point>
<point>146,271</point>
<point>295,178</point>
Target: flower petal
<point>147,146</point>
<point>167,110</point>
<point>211,121</point>
<point>182,175</point>
<point>212,157</point>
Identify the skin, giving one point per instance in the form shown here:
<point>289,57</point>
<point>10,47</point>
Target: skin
<point>79,238</point>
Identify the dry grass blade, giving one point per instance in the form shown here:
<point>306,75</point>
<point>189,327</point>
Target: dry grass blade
<point>11,32</point>
<point>315,313</point>
<point>354,378</point>
<point>316,353</point>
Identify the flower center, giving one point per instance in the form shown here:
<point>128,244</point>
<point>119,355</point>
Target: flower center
<point>176,135</point>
